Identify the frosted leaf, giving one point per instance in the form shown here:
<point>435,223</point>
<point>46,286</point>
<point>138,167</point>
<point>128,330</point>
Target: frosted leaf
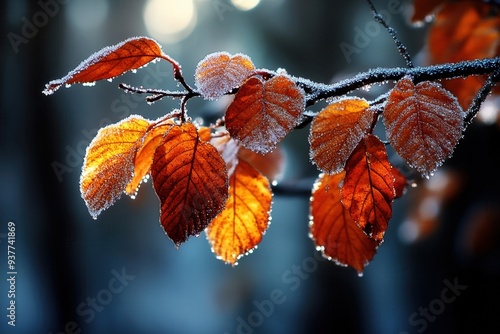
<point>336,131</point>
<point>263,113</point>
<point>111,62</point>
<point>220,72</point>
<point>424,123</point>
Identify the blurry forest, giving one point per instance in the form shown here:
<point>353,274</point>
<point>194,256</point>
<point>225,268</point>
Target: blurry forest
<point>121,274</point>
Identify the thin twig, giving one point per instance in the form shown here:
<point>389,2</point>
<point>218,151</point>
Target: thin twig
<point>481,96</point>
<point>401,48</point>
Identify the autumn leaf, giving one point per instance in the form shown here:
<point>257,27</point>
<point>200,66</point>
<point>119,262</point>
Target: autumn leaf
<point>218,73</point>
<point>240,227</point>
<point>464,31</point>
<point>145,151</point>
<point>333,229</point>
<point>111,62</point>
<point>368,189</point>
<point>263,113</point>
<point>423,123</point>
<point>336,131</point>
<point>109,163</point>
<point>190,179</point>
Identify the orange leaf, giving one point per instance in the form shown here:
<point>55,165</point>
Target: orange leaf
<point>190,179</point>
<point>109,163</point>
<point>336,131</point>
<point>263,113</point>
<point>368,189</point>
<point>423,123</point>
<point>464,31</point>
<point>333,229</point>
<point>239,228</point>
<point>219,73</point>
<point>111,62</point>
<point>145,152</point>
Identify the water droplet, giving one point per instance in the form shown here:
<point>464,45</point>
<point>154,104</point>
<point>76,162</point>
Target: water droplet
<point>134,70</point>
<point>110,79</point>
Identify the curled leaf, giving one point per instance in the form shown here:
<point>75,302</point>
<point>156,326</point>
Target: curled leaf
<point>109,163</point>
<point>263,113</point>
<point>145,151</point>
<point>218,73</point>
<point>240,227</point>
<point>423,123</point>
<point>190,179</point>
<point>336,131</point>
<point>111,62</point>
<point>332,228</point>
<point>368,189</point>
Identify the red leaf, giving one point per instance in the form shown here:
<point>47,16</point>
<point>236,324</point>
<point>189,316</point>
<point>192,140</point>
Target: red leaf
<point>240,227</point>
<point>263,113</point>
<point>218,73</point>
<point>336,131</point>
<point>109,163</point>
<point>190,179</point>
<point>423,123</point>
<point>333,229</point>
<point>368,189</point>
<point>111,62</point>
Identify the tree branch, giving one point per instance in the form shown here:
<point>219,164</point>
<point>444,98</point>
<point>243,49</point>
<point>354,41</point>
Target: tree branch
<point>317,92</point>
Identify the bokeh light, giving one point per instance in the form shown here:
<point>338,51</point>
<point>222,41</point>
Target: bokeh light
<point>169,20</point>
<point>245,4</point>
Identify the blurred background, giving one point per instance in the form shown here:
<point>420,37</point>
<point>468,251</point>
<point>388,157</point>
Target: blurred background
<point>121,274</point>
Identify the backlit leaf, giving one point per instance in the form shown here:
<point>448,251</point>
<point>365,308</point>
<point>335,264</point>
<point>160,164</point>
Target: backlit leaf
<point>190,179</point>
<point>218,73</point>
<point>423,123</point>
<point>368,189</point>
<point>263,113</point>
<point>336,131</point>
<point>109,163</point>
<point>111,62</point>
<point>240,227</point>
<point>145,151</point>
<point>333,229</point>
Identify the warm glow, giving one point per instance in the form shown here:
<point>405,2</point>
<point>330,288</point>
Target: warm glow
<point>245,4</point>
<point>169,20</point>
